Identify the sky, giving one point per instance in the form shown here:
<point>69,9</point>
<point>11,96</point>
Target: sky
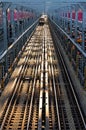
<point>41,5</point>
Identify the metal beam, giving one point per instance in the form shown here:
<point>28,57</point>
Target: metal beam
<point>77,46</point>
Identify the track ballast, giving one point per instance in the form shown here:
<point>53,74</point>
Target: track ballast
<point>41,97</point>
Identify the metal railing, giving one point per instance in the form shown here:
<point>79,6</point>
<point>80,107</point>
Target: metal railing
<point>24,34</point>
<point>78,47</point>
<point>10,56</point>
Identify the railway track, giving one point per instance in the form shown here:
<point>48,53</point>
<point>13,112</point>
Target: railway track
<point>40,99</point>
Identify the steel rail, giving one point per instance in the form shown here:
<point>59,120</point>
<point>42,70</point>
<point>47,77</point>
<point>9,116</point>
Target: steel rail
<point>46,80</point>
<point>74,94</point>
<point>57,108</point>
<point>33,91</point>
<point>32,98</point>
<point>16,84</point>
<point>41,90</point>
<point>71,85</point>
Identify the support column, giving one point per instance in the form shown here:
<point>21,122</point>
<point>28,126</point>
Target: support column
<point>5,37</point>
<point>5,28</point>
<point>12,23</point>
<point>85,77</point>
<point>76,23</point>
<point>1,76</point>
<point>77,63</point>
<point>83,33</point>
<point>71,23</point>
